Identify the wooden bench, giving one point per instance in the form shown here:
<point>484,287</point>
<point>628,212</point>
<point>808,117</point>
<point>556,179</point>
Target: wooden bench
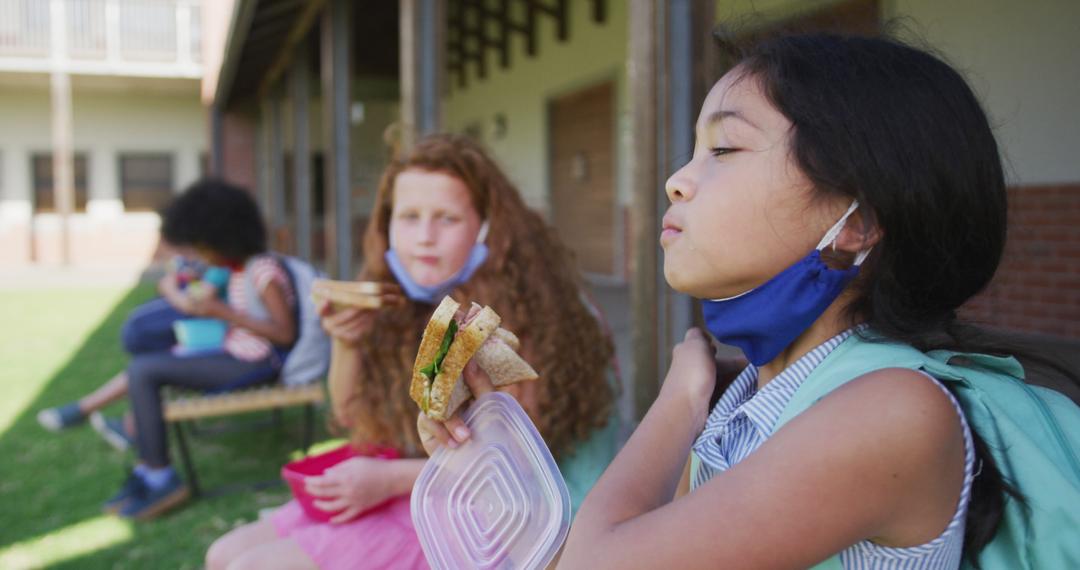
<point>187,407</point>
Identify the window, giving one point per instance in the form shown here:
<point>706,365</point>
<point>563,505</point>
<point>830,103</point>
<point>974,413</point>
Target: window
<point>146,181</point>
<point>41,166</point>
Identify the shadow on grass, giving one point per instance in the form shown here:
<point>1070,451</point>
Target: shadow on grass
<point>52,483</point>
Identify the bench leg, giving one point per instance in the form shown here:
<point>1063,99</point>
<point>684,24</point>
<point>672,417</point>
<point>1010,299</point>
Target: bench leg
<point>185,459</point>
<point>309,427</point>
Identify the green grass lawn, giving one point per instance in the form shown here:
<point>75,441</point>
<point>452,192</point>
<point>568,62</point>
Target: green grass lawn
<point>56,345</point>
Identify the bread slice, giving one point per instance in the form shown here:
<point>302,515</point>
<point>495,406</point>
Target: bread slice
<point>494,348</point>
<point>429,345</point>
<point>509,338</point>
<point>502,363</point>
<point>445,395</point>
<point>359,287</point>
<point>348,299</point>
<point>352,294</point>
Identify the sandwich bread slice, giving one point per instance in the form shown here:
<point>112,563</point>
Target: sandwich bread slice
<point>354,294</point>
<point>451,339</point>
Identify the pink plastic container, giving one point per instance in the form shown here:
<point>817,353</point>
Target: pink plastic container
<point>296,472</point>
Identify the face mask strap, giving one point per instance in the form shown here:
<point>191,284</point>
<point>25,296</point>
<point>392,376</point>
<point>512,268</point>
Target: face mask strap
<point>481,237</point>
<point>862,255</point>
<point>834,231</point>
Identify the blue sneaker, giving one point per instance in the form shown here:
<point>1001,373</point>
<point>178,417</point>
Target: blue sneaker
<point>133,486</point>
<point>152,502</point>
<point>112,431</point>
<point>61,417</point>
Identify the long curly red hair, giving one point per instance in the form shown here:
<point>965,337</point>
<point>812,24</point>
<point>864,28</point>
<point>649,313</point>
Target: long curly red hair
<point>529,278</point>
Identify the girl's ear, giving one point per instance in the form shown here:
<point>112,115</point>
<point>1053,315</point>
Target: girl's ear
<point>859,234</point>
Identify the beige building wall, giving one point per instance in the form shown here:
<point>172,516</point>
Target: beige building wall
<point>108,120</point>
<point>594,53</point>
<point>1022,58</point>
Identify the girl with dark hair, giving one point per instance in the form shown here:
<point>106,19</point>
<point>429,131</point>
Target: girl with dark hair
<point>845,197</point>
<point>221,224</point>
<point>446,220</point>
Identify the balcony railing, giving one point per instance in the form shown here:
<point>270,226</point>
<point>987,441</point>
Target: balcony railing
<point>109,36</point>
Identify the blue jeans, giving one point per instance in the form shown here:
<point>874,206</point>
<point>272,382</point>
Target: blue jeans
<point>149,373</point>
<point>148,327</point>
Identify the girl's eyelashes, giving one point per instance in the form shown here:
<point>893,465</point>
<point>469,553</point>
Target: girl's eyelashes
<point>722,150</point>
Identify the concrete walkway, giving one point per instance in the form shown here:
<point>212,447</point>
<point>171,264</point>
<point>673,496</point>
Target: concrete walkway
<point>61,277</point>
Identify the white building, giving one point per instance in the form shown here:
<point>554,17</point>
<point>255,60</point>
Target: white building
<point>116,82</point>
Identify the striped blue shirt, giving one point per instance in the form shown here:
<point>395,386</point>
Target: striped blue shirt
<point>743,420</point>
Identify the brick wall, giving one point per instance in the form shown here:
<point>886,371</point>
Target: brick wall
<point>1037,286</point>
<point>238,138</point>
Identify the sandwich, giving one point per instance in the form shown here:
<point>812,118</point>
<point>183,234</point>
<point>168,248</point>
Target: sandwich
<point>451,339</point>
<point>354,294</point>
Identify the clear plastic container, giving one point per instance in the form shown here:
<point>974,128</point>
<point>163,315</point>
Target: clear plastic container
<point>498,501</point>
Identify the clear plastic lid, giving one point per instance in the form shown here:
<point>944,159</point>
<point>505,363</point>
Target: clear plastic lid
<point>498,501</point>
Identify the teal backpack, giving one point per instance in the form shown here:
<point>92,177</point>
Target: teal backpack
<point>1033,435</point>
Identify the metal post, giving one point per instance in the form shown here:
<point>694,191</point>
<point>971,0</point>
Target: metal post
<point>642,78</point>
<point>432,26</point>
<point>423,24</point>
<point>337,98</point>
<point>262,156</point>
<point>680,146</point>
<point>298,81</point>
<point>276,164</point>
<point>666,83</point>
<point>217,142</point>
<point>408,48</point>
<point>62,156</point>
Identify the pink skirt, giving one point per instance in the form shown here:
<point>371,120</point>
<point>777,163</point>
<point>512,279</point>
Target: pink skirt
<point>382,538</point>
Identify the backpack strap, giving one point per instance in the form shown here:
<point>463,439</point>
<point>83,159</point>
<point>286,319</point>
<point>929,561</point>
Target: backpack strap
<point>1026,430</point>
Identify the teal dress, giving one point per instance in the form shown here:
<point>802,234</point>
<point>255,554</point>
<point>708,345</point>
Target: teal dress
<point>583,467</point>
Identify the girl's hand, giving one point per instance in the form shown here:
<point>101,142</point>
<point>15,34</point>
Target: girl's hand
<point>453,431</point>
<point>209,307</point>
<point>352,487</point>
<point>346,324</point>
<point>692,376</point>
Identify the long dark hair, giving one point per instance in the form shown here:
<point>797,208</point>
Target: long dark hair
<point>901,131</point>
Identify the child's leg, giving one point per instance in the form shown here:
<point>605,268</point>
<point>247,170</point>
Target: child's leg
<point>238,541</point>
<point>115,389</point>
<point>148,373</point>
<point>73,413</point>
<point>161,487</point>
<point>283,553</point>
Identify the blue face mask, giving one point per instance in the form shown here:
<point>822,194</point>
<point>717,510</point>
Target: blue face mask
<point>432,294</point>
<point>765,320</point>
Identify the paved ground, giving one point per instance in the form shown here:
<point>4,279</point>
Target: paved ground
<point>59,277</point>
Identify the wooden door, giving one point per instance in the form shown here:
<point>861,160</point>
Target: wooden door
<point>582,174</point>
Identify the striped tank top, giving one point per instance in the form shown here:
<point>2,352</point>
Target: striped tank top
<point>743,420</point>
